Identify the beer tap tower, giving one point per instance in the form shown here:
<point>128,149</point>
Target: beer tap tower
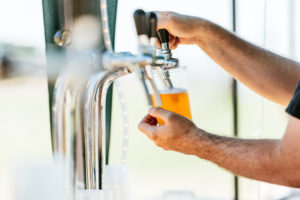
<point>79,105</point>
<point>115,65</point>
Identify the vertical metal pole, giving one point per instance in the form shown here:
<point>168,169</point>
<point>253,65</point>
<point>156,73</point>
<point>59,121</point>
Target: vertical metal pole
<point>53,20</point>
<point>112,15</point>
<point>235,102</point>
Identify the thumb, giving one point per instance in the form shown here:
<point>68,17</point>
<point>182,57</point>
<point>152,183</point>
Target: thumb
<point>159,112</point>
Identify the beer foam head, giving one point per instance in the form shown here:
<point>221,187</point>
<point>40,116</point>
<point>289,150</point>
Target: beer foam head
<point>172,91</point>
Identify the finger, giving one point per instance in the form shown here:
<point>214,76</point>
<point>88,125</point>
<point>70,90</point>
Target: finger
<point>172,39</point>
<point>150,120</point>
<point>153,121</point>
<point>174,43</point>
<point>146,119</point>
<point>147,129</point>
<point>174,46</point>
<point>159,112</point>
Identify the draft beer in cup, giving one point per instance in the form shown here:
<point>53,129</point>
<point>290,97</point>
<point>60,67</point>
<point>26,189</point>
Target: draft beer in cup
<point>175,100</point>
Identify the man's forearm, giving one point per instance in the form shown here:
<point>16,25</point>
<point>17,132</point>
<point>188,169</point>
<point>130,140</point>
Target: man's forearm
<point>268,74</point>
<point>255,159</point>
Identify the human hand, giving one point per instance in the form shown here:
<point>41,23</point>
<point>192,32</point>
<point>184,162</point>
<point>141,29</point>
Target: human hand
<point>176,134</point>
<point>183,29</point>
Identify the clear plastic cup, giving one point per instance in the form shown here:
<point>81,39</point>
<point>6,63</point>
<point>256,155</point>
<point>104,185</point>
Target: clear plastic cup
<point>174,97</point>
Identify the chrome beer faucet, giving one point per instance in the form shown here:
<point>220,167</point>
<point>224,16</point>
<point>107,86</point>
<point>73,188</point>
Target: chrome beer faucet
<point>116,65</point>
<point>165,52</point>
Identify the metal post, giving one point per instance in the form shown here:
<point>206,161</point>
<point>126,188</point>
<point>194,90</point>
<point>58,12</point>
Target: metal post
<point>235,102</point>
<point>52,23</point>
<point>112,15</point>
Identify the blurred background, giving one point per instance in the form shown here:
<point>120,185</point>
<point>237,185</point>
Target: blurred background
<point>24,114</point>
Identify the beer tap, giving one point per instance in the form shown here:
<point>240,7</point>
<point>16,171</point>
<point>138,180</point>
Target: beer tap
<point>79,107</point>
<point>152,30</point>
<point>141,29</point>
<point>115,65</point>
<point>163,36</point>
<point>146,31</point>
<point>164,39</point>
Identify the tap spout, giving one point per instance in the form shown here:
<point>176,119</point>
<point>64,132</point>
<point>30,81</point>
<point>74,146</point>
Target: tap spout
<point>136,63</point>
<point>63,131</point>
<point>94,124</point>
<point>61,86</point>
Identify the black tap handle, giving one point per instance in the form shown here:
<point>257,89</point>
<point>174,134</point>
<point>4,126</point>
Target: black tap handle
<point>140,22</point>
<point>152,24</point>
<point>163,36</point>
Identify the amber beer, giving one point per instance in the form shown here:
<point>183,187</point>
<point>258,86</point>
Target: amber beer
<point>175,100</point>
